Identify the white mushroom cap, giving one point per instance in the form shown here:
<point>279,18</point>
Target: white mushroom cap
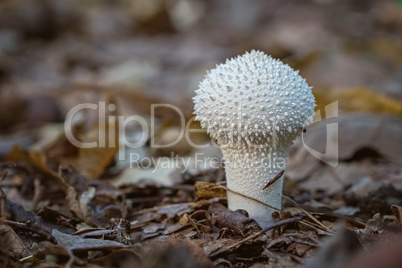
<point>254,106</point>
<point>253,99</point>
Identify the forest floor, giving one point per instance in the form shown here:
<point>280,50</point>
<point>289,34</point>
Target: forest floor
<point>115,206</point>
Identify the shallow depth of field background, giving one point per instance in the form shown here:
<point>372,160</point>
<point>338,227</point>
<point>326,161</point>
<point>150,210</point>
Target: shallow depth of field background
<point>56,54</point>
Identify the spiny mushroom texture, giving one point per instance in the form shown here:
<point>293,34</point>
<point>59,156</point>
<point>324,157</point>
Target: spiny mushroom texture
<point>254,106</point>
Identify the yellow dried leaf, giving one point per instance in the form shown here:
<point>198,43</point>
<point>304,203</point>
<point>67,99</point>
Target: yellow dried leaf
<point>207,190</point>
<point>38,160</point>
<point>359,99</point>
<point>92,162</point>
<point>184,219</point>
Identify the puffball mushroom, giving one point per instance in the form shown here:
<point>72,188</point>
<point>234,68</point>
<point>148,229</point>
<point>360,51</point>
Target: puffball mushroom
<point>254,106</point>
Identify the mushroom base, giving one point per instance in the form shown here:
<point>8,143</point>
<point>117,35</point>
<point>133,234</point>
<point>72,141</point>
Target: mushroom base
<point>260,213</point>
<point>247,173</point>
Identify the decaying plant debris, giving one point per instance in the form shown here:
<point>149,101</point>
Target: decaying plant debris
<point>65,206</point>
<point>93,224</point>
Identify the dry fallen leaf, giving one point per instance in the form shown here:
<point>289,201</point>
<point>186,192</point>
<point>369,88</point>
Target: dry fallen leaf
<point>359,99</point>
<point>15,246</point>
<point>39,161</point>
<point>92,162</point>
<point>207,190</point>
<point>76,243</point>
<point>397,210</point>
<point>375,132</point>
<point>80,205</point>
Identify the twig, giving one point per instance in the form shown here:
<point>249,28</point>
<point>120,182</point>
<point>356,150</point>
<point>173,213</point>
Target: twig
<point>2,198</point>
<point>4,176</point>
<point>310,216</point>
<point>274,179</point>
<point>303,235</point>
<point>237,222</point>
<point>356,221</point>
<point>263,231</point>
<point>245,196</point>
<point>314,226</point>
<point>311,238</point>
<point>38,193</point>
<point>28,227</point>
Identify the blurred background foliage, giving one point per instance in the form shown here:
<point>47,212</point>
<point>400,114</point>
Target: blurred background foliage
<point>55,54</point>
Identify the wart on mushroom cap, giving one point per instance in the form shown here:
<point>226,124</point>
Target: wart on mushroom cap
<point>254,106</point>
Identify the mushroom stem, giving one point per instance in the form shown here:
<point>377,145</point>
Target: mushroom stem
<point>262,166</point>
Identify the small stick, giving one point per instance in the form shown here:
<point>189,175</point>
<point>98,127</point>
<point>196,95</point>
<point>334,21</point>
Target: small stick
<point>26,226</point>
<point>274,179</point>
<point>315,226</point>
<point>311,216</point>
<point>4,176</point>
<point>263,231</point>
<point>234,220</point>
<point>38,193</point>
<point>2,198</point>
<point>245,196</point>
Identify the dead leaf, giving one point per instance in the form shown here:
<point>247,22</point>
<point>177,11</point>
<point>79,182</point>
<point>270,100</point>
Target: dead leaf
<point>153,228</point>
<point>359,99</point>
<point>39,161</point>
<point>185,219</point>
<point>207,190</point>
<point>213,246</point>
<point>375,132</point>
<point>36,224</point>
<point>102,129</point>
<point>76,243</point>
<point>175,209</point>
<point>92,162</point>
<point>14,244</point>
<point>73,202</point>
<point>80,205</point>
<point>397,210</point>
